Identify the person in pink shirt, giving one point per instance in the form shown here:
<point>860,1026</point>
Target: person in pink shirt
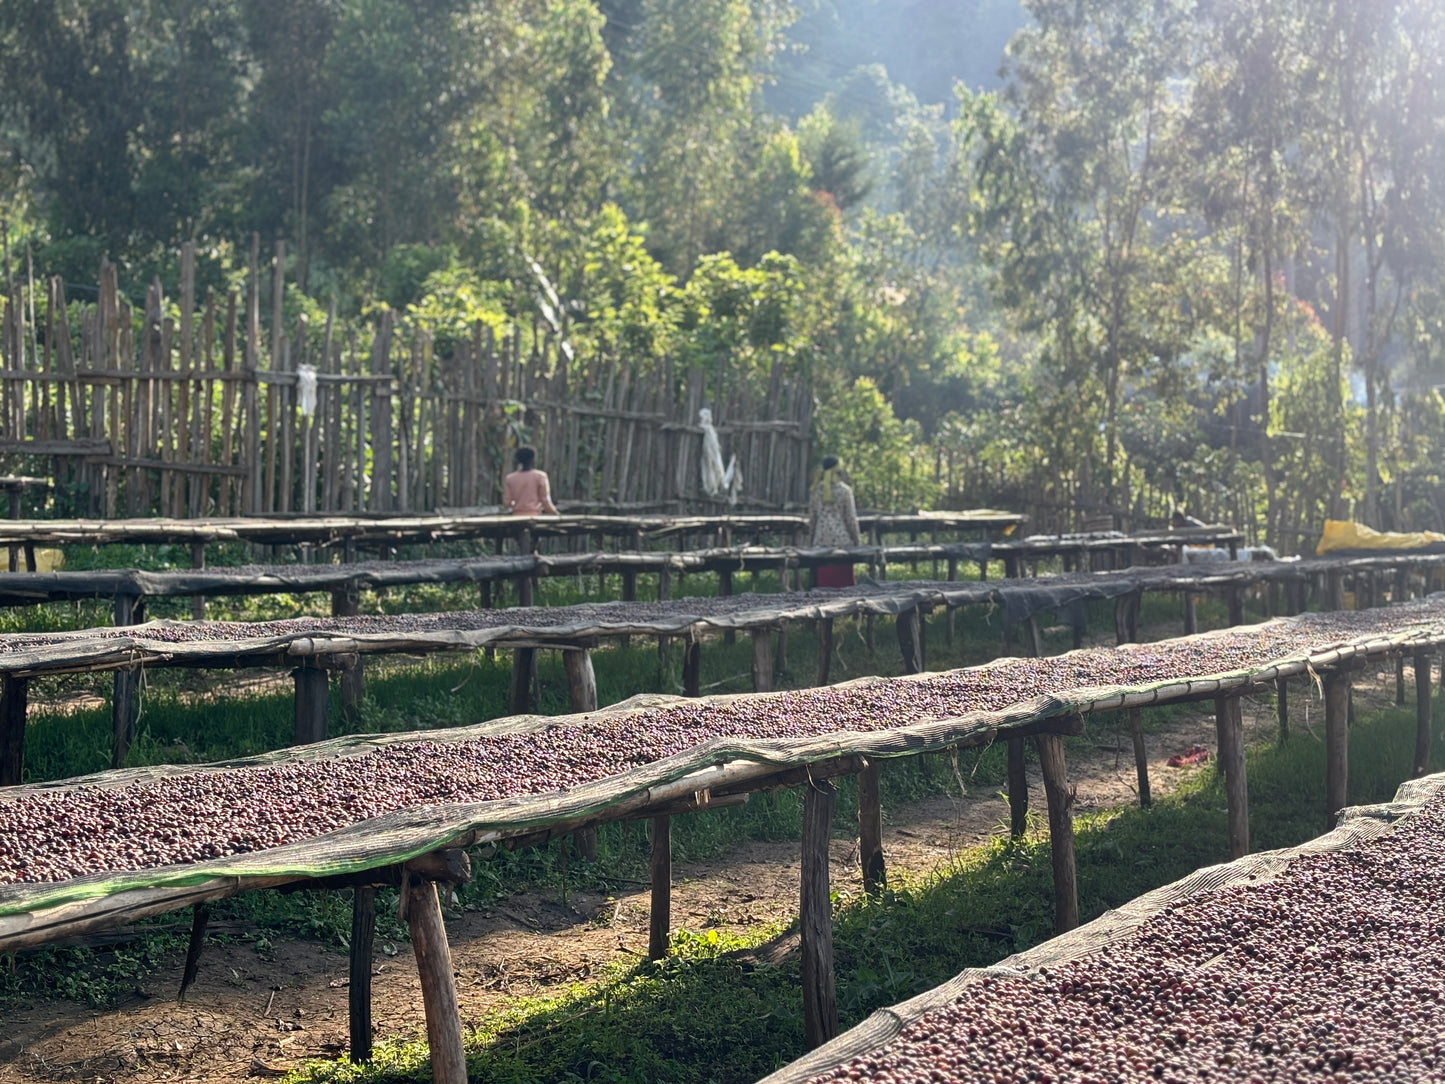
<point>525,490</point>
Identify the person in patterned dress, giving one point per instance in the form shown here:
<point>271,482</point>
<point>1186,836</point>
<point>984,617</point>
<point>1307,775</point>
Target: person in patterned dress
<point>835,522</point>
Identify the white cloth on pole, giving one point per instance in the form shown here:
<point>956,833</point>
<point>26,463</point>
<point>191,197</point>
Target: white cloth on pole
<point>306,389</point>
<point>716,478</point>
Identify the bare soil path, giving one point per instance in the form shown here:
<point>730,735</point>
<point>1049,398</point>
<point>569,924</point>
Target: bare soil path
<point>255,1014</point>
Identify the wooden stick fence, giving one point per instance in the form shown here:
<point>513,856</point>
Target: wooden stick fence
<point>186,407</point>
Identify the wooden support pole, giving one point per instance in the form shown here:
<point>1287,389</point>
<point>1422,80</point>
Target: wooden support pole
<point>870,640</point>
<point>725,590</point>
<point>198,560</point>
<point>14,692</point>
<point>1399,680</point>
<point>825,651</point>
<point>692,669</point>
<point>346,602</point>
<point>762,660</point>
<point>815,917</point>
<point>870,829</point>
<point>484,595</point>
<point>1018,789</point>
<point>524,669</point>
<point>1191,613</point>
<point>1422,713</point>
<point>660,923</point>
<point>909,641</point>
<point>1229,728</point>
<point>1033,638</point>
<point>200,916</point>
<point>438,986</point>
<point>524,589</point>
<point>629,585</point>
<point>1061,831</point>
<point>363,938</point>
<point>581,680</point>
<point>780,650</point>
<point>1281,707</point>
<point>129,610</point>
<point>582,694</point>
<point>1235,597</point>
<point>1337,755</point>
<point>313,696</point>
<point>1141,755</point>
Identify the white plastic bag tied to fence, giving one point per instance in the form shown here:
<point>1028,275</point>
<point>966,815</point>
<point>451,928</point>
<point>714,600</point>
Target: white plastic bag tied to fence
<point>714,478</point>
<point>306,389</point>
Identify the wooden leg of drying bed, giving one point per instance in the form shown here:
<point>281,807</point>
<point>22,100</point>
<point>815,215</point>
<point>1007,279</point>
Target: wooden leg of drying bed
<point>1399,680</point>
<point>660,924</point>
<point>1422,713</point>
<point>1229,727</point>
<point>870,830</point>
<point>1033,638</point>
<point>1235,597</point>
<point>200,916</point>
<point>869,634</point>
<point>825,650</point>
<point>524,668</point>
<point>692,669</point>
<point>1061,832</point>
<point>582,693</point>
<point>908,641</point>
<point>1337,757</point>
<point>762,640</point>
<point>198,560</point>
<point>780,650</point>
<point>725,590</point>
<point>1191,613</point>
<point>815,917</point>
<point>1281,707</point>
<point>1141,756</point>
<point>1018,789</point>
<point>14,692</point>
<point>581,680</point>
<point>346,602</point>
<point>363,937</point>
<point>438,987</point>
<point>129,610</point>
<point>313,696</point>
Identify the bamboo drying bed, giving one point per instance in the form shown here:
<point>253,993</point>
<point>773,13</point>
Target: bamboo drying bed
<point>723,770</point>
<point>421,529</point>
<point>873,1035</point>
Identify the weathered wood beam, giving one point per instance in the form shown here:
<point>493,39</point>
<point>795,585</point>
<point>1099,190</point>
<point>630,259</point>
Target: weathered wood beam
<point>870,829</point>
<point>1229,728</point>
<point>1018,789</point>
<point>1135,717</point>
<point>659,928</point>
<point>14,694</point>
<point>1422,713</point>
<point>363,938</point>
<point>438,985</point>
<point>762,668</point>
<point>313,696</point>
<point>1061,831</point>
<point>1337,753</point>
<point>815,917</point>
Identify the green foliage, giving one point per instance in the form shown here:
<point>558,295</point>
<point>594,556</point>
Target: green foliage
<point>880,453</point>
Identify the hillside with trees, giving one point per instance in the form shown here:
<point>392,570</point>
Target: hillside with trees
<point>1174,254</point>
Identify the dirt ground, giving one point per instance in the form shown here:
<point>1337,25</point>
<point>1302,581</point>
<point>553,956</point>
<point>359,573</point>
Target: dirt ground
<point>255,1015</point>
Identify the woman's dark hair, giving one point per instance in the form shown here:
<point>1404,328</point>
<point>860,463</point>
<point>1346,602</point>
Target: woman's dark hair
<point>829,462</point>
<point>526,456</point>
